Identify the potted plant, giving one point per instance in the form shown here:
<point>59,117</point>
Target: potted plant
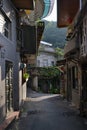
<point>26,76</point>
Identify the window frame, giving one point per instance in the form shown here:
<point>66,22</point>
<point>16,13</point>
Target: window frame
<point>7,25</point>
<point>45,62</point>
<point>7,28</point>
<point>75,77</point>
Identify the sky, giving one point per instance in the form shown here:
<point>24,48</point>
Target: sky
<point>53,15</point>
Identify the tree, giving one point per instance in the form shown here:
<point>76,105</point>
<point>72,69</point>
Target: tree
<point>59,51</point>
<point>54,35</point>
<point>48,79</point>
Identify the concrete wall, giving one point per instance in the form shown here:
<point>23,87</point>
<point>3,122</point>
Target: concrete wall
<point>46,56</point>
<point>70,92</point>
<point>9,54</point>
<point>35,83</point>
<point>76,98</point>
<point>46,53</point>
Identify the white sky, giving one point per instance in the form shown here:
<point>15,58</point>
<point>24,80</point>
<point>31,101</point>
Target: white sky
<point>53,15</point>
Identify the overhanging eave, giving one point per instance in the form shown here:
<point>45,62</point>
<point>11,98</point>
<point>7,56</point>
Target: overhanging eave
<point>66,11</point>
<point>24,4</point>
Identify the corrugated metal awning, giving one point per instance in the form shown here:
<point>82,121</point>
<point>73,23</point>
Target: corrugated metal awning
<point>24,4</point>
<point>42,8</point>
<point>66,11</point>
<point>48,6</point>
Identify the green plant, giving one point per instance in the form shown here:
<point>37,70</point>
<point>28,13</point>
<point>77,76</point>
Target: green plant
<point>54,90</point>
<point>26,75</point>
<point>49,72</point>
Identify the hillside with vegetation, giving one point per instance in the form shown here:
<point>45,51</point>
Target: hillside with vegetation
<point>55,36</point>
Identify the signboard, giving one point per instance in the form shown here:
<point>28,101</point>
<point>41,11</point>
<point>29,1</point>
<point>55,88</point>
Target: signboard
<point>66,11</point>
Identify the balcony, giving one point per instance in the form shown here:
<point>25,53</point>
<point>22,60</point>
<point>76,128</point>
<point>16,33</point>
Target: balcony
<point>30,41</point>
<point>72,45</point>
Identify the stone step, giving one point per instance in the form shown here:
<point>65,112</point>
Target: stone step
<point>9,119</point>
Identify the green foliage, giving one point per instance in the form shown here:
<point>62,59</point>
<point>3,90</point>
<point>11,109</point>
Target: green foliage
<point>49,72</point>
<point>26,75</point>
<point>54,35</point>
<point>54,90</point>
<point>59,51</point>
<point>49,79</point>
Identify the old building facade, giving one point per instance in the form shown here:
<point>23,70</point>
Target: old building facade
<point>18,30</point>
<point>47,55</point>
<point>9,59</point>
<point>76,62</point>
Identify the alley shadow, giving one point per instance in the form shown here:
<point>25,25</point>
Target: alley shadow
<point>40,96</point>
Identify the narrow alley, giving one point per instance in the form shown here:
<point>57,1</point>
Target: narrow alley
<point>48,112</point>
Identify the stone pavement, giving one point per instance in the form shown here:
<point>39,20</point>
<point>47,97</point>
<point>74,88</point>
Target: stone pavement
<point>48,112</point>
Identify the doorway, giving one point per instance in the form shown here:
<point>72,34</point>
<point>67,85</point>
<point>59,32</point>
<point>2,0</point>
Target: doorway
<point>83,107</point>
<point>9,86</point>
<point>69,85</point>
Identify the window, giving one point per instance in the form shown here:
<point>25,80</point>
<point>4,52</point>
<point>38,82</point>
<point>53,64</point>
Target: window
<point>38,63</point>
<point>45,62</point>
<point>81,34</point>
<point>5,25</point>
<point>19,38</point>
<point>75,77</point>
<point>84,30</point>
<point>19,34</point>
<point>52,63</point>
<point>7,28</point>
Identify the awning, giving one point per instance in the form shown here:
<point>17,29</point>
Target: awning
<point>36,14</point>
<point>48,6</point>
<point>24,4</point>
<point>51,6</point>
<point>66,11</point>
<point>39,10</point>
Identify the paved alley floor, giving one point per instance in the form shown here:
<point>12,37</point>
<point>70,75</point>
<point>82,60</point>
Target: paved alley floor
<point>48,112</point>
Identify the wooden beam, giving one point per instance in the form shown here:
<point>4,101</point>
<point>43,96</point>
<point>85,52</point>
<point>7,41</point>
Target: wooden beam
<point>24,4</point>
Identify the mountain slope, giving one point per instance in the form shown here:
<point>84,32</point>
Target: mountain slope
<point>54,35</point>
